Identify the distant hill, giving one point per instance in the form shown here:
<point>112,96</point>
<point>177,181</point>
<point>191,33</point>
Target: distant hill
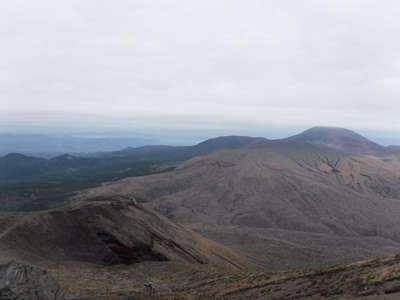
<point>393,148</point>
<point>186,152</point>
<point>226,143</point>
<point>340,139</point>
<point>16,167</point>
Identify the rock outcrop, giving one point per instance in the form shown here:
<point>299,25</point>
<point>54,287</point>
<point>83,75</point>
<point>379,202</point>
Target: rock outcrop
<point>24,282</point>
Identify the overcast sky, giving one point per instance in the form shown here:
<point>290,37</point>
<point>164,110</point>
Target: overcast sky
<point>200,64</point>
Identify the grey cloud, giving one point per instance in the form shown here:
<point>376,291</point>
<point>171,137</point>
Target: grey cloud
<point>202,63</point>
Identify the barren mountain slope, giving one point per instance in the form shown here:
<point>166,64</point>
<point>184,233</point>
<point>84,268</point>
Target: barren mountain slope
<point>278,249</point>
<point>288,186</point>
<point>106,232</point>
<point>306,189</point>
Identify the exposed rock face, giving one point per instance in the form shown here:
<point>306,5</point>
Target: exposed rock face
<point>23,282</point>
<point>122,254</point>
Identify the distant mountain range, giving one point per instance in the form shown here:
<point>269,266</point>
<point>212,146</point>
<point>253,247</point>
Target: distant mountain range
<point>46,145</point>
<point>34,183</point>
<point>16,167</point>
<point>19,167</point>
<point>71,172</point>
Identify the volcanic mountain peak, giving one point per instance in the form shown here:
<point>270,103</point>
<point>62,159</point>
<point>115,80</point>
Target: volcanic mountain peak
<point>18,157</point>
<point>340,139</point>
<point>322,135</point>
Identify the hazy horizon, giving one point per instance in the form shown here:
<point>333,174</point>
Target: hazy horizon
<point>188,137</point>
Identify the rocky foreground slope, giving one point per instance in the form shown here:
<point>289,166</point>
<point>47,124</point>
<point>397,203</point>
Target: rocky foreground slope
<point>377,279</point>
<point>24,282</point>
<point>102,247</point>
